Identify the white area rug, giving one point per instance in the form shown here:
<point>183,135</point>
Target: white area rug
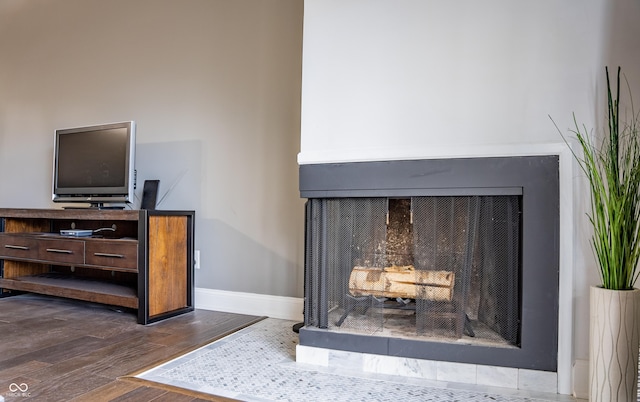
<point>258,364</point>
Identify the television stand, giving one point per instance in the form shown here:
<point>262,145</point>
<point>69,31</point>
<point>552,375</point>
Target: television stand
<point>145,263</point>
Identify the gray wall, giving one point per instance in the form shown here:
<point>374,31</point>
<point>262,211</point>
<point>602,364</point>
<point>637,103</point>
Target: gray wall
<point>214,86</point>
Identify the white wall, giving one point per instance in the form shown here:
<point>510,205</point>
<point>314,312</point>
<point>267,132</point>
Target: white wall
<point>214,86</point>
<point>383,78</point>
<point>397,79</point>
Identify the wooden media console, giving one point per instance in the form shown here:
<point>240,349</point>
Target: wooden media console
<point>138,259</point>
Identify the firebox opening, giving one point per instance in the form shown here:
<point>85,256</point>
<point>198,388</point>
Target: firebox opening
<point>442,269</point>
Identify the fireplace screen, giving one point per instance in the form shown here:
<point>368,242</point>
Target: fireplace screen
<point>439,268</point>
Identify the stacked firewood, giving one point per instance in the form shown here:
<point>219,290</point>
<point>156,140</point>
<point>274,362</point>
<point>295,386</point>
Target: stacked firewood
<point>402,281</point>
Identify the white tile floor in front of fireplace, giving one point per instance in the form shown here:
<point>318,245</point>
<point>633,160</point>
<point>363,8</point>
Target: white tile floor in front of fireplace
<point>258,364</point>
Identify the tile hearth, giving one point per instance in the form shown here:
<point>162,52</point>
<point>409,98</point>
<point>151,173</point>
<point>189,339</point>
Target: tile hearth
<point>505,377</point>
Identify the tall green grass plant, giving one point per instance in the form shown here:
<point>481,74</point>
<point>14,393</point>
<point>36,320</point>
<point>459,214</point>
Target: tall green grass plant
<point>612,167</point>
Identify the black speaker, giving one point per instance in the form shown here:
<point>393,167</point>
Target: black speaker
<point>149,194</point>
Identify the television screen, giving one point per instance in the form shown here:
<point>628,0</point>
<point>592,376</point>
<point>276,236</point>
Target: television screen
<point>94,164</point>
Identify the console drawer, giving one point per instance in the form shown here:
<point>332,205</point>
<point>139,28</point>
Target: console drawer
<point>116,254</point>
<point>16,246</point>
<point>61,251</point>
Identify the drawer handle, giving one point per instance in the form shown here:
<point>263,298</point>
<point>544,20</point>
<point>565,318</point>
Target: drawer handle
<point>11,246</point>
<point>109,255</point>
<point>57,250</point>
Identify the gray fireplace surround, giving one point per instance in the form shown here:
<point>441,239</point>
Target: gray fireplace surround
<point>533,178</point>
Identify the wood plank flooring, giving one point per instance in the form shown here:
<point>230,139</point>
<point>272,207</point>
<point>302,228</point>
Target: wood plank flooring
<point>66,350</point>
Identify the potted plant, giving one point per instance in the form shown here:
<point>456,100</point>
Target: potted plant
<point>612,168</point>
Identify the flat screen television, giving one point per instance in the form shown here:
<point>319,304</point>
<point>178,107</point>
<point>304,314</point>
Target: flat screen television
<point>95,164</point>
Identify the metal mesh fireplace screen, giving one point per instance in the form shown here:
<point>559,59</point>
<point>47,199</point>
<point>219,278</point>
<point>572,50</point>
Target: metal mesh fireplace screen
<point>440,268</point>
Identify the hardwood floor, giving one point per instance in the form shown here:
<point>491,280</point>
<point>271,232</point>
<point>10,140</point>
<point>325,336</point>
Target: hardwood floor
<point>66,350</point>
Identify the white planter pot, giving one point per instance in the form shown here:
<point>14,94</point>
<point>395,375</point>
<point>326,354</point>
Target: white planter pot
<point>614,340</point>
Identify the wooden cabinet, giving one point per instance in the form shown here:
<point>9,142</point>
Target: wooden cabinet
<point>141,260</point>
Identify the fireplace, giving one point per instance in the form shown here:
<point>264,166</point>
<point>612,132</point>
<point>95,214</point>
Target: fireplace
<point>450,260</point>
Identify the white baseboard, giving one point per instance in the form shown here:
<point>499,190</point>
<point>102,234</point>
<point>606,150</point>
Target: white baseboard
<point>581,379</point>
<point>281,307</point>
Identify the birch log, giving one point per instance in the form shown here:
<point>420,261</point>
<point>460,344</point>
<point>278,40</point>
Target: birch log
<point>404,282</point>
